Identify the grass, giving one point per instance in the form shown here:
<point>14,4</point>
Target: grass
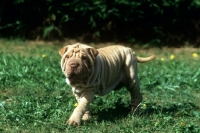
<point>35,98</point>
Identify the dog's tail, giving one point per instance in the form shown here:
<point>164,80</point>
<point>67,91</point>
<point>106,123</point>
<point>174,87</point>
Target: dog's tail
<point>141,59</point>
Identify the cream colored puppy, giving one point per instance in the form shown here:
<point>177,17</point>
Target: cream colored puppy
<point>91,71</point>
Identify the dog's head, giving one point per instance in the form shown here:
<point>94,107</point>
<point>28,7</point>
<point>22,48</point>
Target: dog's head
<point>77,62</point>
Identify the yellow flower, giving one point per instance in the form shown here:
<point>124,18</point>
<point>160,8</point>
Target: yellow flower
<point>144,106</point>
<point>44,55</point>
<point>76,104</point>
<point>195,55</point>
<point>182,124</point>
<point>162,59</point>
<point>172,57</point>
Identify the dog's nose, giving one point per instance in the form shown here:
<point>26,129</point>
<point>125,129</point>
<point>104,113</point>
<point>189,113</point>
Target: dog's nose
<point>74,65</point>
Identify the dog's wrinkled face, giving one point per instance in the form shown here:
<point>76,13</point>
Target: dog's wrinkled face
<point>77,63</point>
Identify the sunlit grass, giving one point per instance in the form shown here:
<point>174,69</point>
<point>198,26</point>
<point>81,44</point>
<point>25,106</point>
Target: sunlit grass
<point>35,98</point>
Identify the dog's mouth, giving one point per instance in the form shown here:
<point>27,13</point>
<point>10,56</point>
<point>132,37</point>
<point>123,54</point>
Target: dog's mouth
<point>74,75</point>
<point>70,76</point>
<point>75,70</point>
<point>75,79</point>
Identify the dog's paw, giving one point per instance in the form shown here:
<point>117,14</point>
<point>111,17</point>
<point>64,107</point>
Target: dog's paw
<point>86,117</point>
<point>74,121</point>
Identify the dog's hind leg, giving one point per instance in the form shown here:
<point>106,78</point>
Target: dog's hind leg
<point>136,97</point>
<point>132,81</point>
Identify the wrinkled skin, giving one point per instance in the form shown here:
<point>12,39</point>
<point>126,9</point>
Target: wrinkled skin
<point>77,65</point>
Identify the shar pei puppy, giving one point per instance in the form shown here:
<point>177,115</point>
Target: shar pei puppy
<point>91,71</point>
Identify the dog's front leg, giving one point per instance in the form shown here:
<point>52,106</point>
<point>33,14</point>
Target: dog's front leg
<point>84,101</point>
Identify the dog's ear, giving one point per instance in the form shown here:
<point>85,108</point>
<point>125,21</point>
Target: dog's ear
<point>63,50</point>
<point>93,52</point>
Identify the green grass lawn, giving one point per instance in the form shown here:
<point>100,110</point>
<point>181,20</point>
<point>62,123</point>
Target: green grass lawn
<point>35,98</point>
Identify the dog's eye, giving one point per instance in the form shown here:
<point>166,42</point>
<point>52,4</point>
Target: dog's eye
<point>67,56</point>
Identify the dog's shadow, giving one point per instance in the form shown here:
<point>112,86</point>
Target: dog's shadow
<point>112,114</point>
<point>121,110</point>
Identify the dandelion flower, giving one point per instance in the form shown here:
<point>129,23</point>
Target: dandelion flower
<point>162,59</point>
<point>144,106</point>
<point>172,57</point>
<point>76,104</point>
<point>44,55</point>
<point>195,55</point>
<point>182,124</point>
